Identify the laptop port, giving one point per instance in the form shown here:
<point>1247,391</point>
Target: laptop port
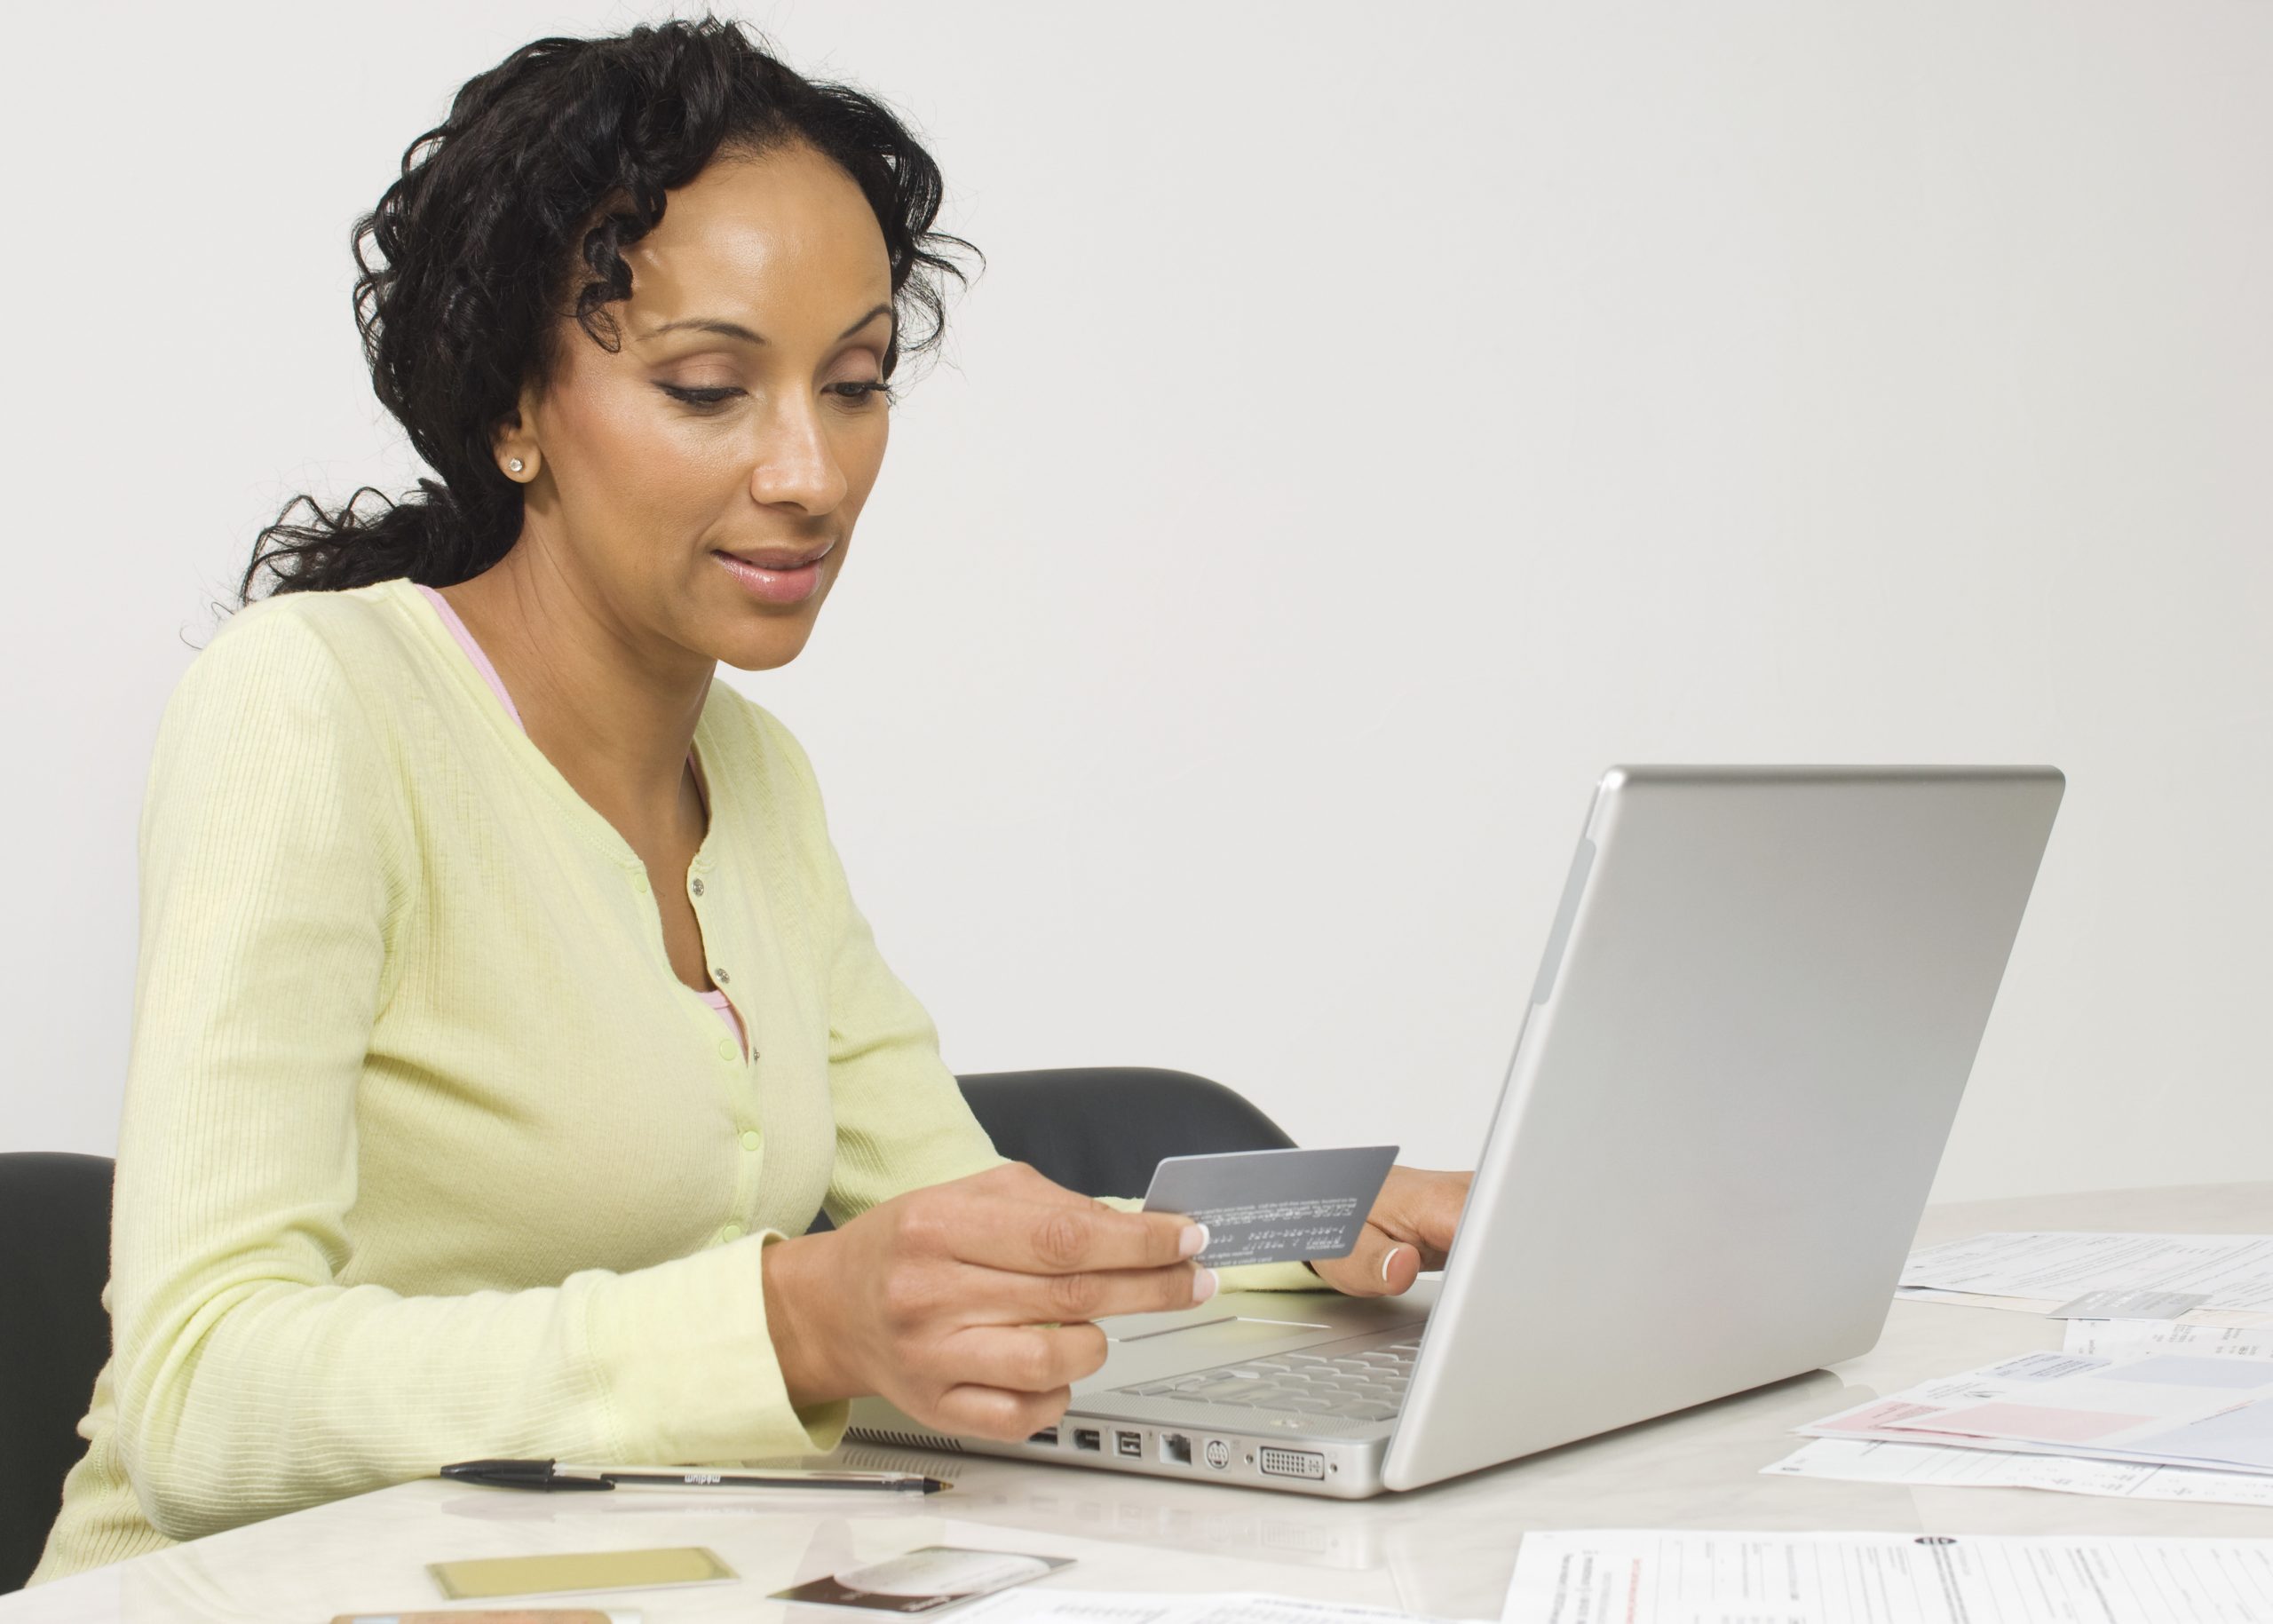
<point>1047,1438</point>
<point>1175,1449</point>
<point>1086,1437</point>
<point>1130,1443</point>
<point>1293,1463</point>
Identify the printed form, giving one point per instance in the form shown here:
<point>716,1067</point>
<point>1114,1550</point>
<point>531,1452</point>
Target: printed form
<point>1944,1466</point>
<point>2164,1409</point>
<point>1631,1577</point>
<point>2232,1275</point>
<point>2113,1338</point>
<point>1885,1456</point>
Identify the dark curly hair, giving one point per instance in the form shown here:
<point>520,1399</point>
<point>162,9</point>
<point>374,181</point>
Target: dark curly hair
<point>549,166</point>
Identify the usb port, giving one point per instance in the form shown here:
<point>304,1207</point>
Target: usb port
<point>1047,1438</point>
<point>1130,1443</point>
<point>1086,1437</point>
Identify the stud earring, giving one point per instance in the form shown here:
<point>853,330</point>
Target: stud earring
<point>513,464</point>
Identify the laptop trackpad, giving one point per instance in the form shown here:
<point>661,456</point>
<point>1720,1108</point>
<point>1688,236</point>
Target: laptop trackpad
<point>1230,1335</point>
<point>1146,1349</point>
<point>1250,1324</point>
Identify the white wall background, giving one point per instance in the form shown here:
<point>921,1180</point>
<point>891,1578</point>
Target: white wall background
<point>1374,421</point>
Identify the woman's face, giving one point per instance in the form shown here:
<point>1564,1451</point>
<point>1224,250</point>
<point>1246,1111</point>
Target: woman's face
<point>701,484</point>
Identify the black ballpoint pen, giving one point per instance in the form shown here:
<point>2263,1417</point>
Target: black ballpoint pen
<point>551,1476</point>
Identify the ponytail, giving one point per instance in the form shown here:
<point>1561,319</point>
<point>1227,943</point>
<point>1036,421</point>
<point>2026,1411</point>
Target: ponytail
<point>427,537</point>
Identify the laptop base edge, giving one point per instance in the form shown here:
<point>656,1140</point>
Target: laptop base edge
<point>1333,1468</point>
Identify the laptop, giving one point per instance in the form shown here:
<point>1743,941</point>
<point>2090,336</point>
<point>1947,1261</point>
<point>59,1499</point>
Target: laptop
<point>1736,1067</point>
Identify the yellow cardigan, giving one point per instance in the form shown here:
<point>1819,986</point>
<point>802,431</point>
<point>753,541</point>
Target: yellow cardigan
<point>426,1153</point>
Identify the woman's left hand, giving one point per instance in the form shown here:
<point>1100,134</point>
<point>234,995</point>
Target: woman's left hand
<point>1409,1229</point>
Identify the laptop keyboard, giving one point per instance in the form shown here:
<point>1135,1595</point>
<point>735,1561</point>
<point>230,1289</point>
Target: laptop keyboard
<point>1364,1384</point>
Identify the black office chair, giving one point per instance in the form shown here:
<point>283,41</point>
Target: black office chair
<point>1098,1131</point>
<point>1102,1129</point>
<point>54,1336</point>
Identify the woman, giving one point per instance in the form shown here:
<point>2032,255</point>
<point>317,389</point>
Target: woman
<point>501,1015</point>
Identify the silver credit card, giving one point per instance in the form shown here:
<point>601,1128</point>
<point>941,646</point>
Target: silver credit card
<point>1270,1206</point>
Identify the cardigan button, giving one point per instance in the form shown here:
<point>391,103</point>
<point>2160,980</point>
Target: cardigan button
<point>750,1139</point>
<point>726,1050</point>
<point>696,886</point>
<point>731,1232</point>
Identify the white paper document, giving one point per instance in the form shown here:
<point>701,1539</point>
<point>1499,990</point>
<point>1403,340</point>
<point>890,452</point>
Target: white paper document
<point>2110,1337</point>
<point>2040,1271</point>
<point>1631,1577</point>
<point>2162,1406</point>
<point>1854,1459</point>
<point>2249,1317</point>
<point>1127,1607</point>
<point>1944,1466</point>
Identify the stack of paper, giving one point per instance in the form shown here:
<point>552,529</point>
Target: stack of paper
<point>2205,1279</point>
<point>1943,1464</point>
<point>2161,1407</point>
<point>1629,1577</point>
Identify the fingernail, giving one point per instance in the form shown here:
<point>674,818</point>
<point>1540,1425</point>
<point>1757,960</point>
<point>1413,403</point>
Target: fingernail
<point>1392,1252</point>
<point>1203,1285</point>
<point>1192,1240</point>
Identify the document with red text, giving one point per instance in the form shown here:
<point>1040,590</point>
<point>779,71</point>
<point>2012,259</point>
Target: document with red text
<point>2171,1408</point>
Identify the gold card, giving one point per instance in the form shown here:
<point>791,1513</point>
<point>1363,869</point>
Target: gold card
<point>591,1570</point>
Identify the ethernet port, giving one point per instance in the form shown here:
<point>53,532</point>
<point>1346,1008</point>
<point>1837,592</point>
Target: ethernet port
<point>1086,1437</point>
<point>1175,1449</point>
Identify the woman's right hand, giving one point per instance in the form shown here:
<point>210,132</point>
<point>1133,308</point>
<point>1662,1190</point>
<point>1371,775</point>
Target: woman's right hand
<point>968,1304</point>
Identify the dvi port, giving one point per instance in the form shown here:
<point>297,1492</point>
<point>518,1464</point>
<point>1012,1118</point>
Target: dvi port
<point>1293,1462</point>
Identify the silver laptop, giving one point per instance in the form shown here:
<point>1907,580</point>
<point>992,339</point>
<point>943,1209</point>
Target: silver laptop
<point>1758,1004</point>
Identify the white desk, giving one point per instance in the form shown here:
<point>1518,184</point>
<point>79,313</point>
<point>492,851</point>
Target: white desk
<point>1445,1550</point>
